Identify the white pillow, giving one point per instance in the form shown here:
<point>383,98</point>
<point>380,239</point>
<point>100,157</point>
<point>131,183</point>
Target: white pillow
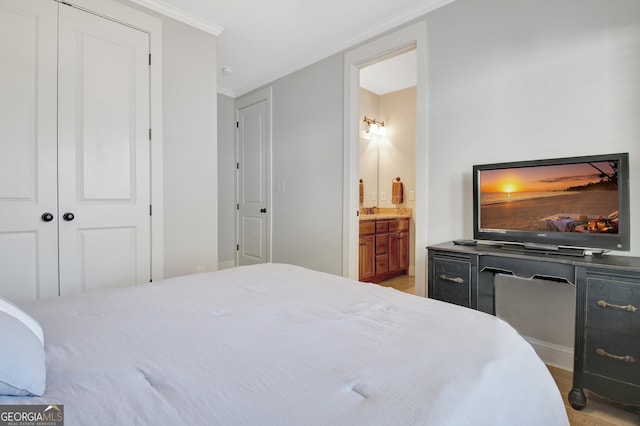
<point>22,358</point>
<point>13,310</point>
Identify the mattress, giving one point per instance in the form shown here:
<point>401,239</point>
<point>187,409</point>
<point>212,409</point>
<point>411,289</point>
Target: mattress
<point>280,344</point>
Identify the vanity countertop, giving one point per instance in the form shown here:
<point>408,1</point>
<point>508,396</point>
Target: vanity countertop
<point>378,213</point>
<point>364,217</point>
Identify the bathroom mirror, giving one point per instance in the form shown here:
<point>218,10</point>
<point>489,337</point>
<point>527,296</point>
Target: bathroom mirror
<point>383,96</point>
<point>369,167</point>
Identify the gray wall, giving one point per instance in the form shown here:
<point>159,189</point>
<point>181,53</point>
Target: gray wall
<point>508,80</point>
<point>190,149</point>
<point>190,175</point>
<point>527,79</point>
<point>226,180</point>
<point>307,150</point>
<point>307,157</point>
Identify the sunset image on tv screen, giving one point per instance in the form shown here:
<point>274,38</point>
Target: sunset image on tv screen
<point>551,198</point>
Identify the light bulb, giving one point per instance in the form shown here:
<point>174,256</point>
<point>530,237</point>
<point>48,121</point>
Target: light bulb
<point>373,129</point>
<point>382,131</point>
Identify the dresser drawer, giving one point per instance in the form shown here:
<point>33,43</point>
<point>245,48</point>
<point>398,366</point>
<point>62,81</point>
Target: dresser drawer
<point>613,305</point>
<point>613,355</point>
<point>452,281</point>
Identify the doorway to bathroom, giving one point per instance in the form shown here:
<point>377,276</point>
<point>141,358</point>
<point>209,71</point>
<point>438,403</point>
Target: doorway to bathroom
<point>387,158</point>
<point>411,38</point>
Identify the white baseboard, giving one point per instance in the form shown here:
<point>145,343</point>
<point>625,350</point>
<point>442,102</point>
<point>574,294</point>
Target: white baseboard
<point>552,354</point>
<point>226,264</point>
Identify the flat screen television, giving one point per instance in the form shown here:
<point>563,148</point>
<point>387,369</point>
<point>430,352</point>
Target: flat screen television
<point>578,202</point>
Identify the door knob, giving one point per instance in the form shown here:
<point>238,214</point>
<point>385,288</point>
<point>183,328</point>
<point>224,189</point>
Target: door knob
<point>263,210</point>
<point>68,216</point>
<point>46,217</point>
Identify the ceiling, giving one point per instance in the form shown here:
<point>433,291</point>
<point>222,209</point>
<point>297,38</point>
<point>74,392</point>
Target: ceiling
<point>391,75</point>
<point>260,41</point>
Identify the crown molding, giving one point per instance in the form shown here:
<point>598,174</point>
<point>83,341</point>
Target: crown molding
<point>370,32</point>
<point>180,15</point>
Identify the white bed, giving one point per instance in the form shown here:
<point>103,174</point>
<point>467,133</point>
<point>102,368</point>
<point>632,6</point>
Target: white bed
<point>278,344</point>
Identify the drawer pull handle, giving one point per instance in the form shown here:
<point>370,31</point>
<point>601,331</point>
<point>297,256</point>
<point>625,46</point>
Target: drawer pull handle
<point>458,280</point>
<point>627,358</point>
<point>628,308</point>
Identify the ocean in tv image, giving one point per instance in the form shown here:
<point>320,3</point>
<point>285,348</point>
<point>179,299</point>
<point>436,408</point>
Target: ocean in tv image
<point>551,198</point>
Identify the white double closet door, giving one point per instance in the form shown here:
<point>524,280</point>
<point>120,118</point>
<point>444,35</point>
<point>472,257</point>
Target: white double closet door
<point>74,151</point>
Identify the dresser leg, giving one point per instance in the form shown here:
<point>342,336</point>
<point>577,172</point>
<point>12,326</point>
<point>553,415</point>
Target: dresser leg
<point>577,399</point>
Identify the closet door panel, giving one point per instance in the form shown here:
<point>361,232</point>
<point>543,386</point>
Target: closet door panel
<point>28,183</point>
<point>116,270</point>
<point>107,139</point>
<point>103,153</point>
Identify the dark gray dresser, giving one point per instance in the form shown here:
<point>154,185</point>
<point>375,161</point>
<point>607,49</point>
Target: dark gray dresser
<point>607,335</point>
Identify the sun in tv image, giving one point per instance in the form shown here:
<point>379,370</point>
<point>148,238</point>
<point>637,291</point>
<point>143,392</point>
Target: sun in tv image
<point>579,197</point>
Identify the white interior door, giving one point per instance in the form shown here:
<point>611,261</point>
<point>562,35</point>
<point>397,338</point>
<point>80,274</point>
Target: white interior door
<point>28,244</point>
<point>103,142</point>
<point>253,160</point>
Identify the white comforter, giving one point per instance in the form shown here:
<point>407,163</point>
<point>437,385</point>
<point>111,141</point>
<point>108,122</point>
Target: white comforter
<point>282,345</point>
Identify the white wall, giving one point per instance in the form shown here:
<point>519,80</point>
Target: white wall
<point>190,150</point>
<point>226,182</point>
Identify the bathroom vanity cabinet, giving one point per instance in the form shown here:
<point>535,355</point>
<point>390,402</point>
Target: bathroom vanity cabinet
<point>384,249</point>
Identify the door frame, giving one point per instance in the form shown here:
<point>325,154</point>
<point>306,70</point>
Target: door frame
<point>153,26</point>
<point>413,36</point>
<point>240,103</point>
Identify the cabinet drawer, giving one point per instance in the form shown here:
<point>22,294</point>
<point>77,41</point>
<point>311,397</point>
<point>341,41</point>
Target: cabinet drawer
<point>382,244</point>
<point>399,225</point>
<point>382,227</point>
<point>367,228</point>
<point>382,264</point>
<point>452,281</point>
<point>529,268</point>
<point>613,355</point>
<point>613,305</point>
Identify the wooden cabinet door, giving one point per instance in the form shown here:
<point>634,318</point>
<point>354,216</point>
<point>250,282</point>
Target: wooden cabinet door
<point>403,250</point>
<point>367,257</point>
<point>394,258</point>
<point>398,251</point>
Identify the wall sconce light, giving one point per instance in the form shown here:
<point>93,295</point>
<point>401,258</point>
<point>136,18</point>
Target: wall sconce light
<point>374,127</point>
